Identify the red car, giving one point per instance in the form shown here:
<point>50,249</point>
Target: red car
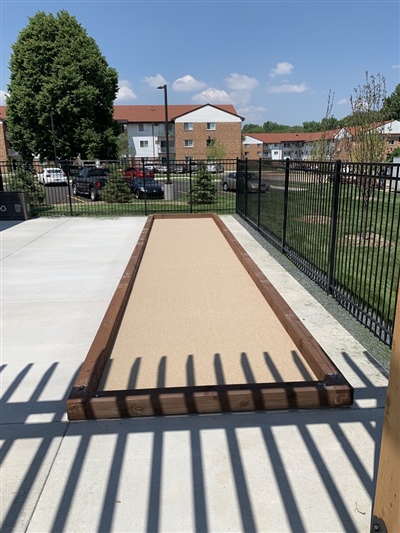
<point>138,172</point>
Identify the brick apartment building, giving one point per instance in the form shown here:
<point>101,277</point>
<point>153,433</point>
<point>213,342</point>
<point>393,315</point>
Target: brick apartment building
<point>298,146</point>
<point>191,129</point>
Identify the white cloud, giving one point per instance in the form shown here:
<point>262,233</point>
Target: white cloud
<point>154,81</point>
<point>3,96</point>
<point>252,114</point>
<point>288,88</point>
<point>125,91</point>
<point>281,69</point>
<point>240,97</point>
<point>188,83</point>
<point>241,82</point>
<point>343,101</point>
<point>212,96</point>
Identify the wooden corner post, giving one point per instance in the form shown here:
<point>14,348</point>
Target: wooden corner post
<point>386,509</point>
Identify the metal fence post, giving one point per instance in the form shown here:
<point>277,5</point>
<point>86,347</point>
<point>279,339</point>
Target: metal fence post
<point>259,195</point>
<point>285,204</point>
<point>144,186</point>
<point>190,187</point>
<point>334,221</point>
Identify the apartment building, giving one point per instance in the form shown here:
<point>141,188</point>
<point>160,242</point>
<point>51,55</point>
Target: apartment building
<point>191,129</point>
<point>298,146</point>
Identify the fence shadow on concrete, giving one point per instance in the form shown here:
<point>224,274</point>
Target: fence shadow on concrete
<point>260,478</point>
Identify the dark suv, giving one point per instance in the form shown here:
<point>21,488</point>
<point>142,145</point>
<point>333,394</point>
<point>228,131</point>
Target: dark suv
<point>90,181</point>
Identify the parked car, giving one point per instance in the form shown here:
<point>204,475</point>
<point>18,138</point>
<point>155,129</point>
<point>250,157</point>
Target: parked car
<point>52,175</point>
<point>90,181</point>
<point>177,169</point>
<point>215,168</point>
<point>234,180</point>
<point>147,187</point>
<point>138,172</point>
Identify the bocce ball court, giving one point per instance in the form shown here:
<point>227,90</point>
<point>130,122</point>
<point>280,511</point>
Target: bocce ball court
<point>194,326</point>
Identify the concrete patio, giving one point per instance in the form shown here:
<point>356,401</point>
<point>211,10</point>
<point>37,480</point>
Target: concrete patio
<point>301,471</point>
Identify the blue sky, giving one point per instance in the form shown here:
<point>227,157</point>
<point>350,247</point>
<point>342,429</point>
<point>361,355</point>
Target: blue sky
<point>273,60</point>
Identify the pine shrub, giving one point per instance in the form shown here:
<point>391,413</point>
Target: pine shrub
<point>203,188</point>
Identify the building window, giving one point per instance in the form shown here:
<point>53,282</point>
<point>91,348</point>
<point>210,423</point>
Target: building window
<point>210,142</point>
<point>142,127</point>
<point>188,126</point>
<point>259,154</point>
<point>188,143</point>
<point>211,125</point>
<point>246,154</point>
<point>144,144</point>
<point>246,145</point>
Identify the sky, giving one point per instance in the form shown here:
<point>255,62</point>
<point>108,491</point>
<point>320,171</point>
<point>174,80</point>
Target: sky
<point>273,60</point>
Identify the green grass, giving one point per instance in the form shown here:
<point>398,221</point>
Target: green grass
<point>364,267</point>
<point>225,204</point>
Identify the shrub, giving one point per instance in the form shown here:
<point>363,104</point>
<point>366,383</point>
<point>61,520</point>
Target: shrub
<point>26,181</point>
<point>116,190</point>
<point>203,188</point>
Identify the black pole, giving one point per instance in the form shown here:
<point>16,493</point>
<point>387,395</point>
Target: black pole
<point>166,132</point>
<point>285,205</point>
<point>334,222</point>
<point>166,128</point>
<point>54,138</point>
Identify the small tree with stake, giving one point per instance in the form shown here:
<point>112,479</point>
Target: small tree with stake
<point>116,190</point>
<point>203,189</point>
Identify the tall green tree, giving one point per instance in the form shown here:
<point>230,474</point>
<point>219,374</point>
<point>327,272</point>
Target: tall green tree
<point>61,92</point>
<point>391,105</point>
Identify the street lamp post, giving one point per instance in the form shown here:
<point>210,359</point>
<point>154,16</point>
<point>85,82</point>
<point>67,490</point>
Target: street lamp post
<point>54,137</point>
<point>166,129</point>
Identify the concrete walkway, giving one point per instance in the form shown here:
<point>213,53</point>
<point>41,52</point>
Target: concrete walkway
<point>301,471</point>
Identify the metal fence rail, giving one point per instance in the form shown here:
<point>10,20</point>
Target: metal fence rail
<point>340,224</point>
<point>60,199</point>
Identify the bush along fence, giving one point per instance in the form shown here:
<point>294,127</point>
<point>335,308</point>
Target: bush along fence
<point>107,188</point>
<point>339,223</point>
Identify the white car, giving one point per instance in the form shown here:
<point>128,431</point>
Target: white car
<point>52,175</point>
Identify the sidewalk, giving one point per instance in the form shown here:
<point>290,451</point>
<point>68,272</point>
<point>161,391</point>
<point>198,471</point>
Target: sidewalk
<point>302,471</point>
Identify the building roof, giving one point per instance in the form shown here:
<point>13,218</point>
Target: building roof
<point>150,113</point>
<point>156,113</point>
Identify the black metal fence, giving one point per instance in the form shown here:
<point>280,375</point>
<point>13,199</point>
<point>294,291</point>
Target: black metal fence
<point>195,187</point>
<point>339,223</point>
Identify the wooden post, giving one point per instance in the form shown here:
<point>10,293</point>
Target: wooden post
<point>386,510</point>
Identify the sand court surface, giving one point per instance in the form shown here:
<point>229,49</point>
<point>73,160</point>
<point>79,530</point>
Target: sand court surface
<point>196,325</point>
<point>194,306</point>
